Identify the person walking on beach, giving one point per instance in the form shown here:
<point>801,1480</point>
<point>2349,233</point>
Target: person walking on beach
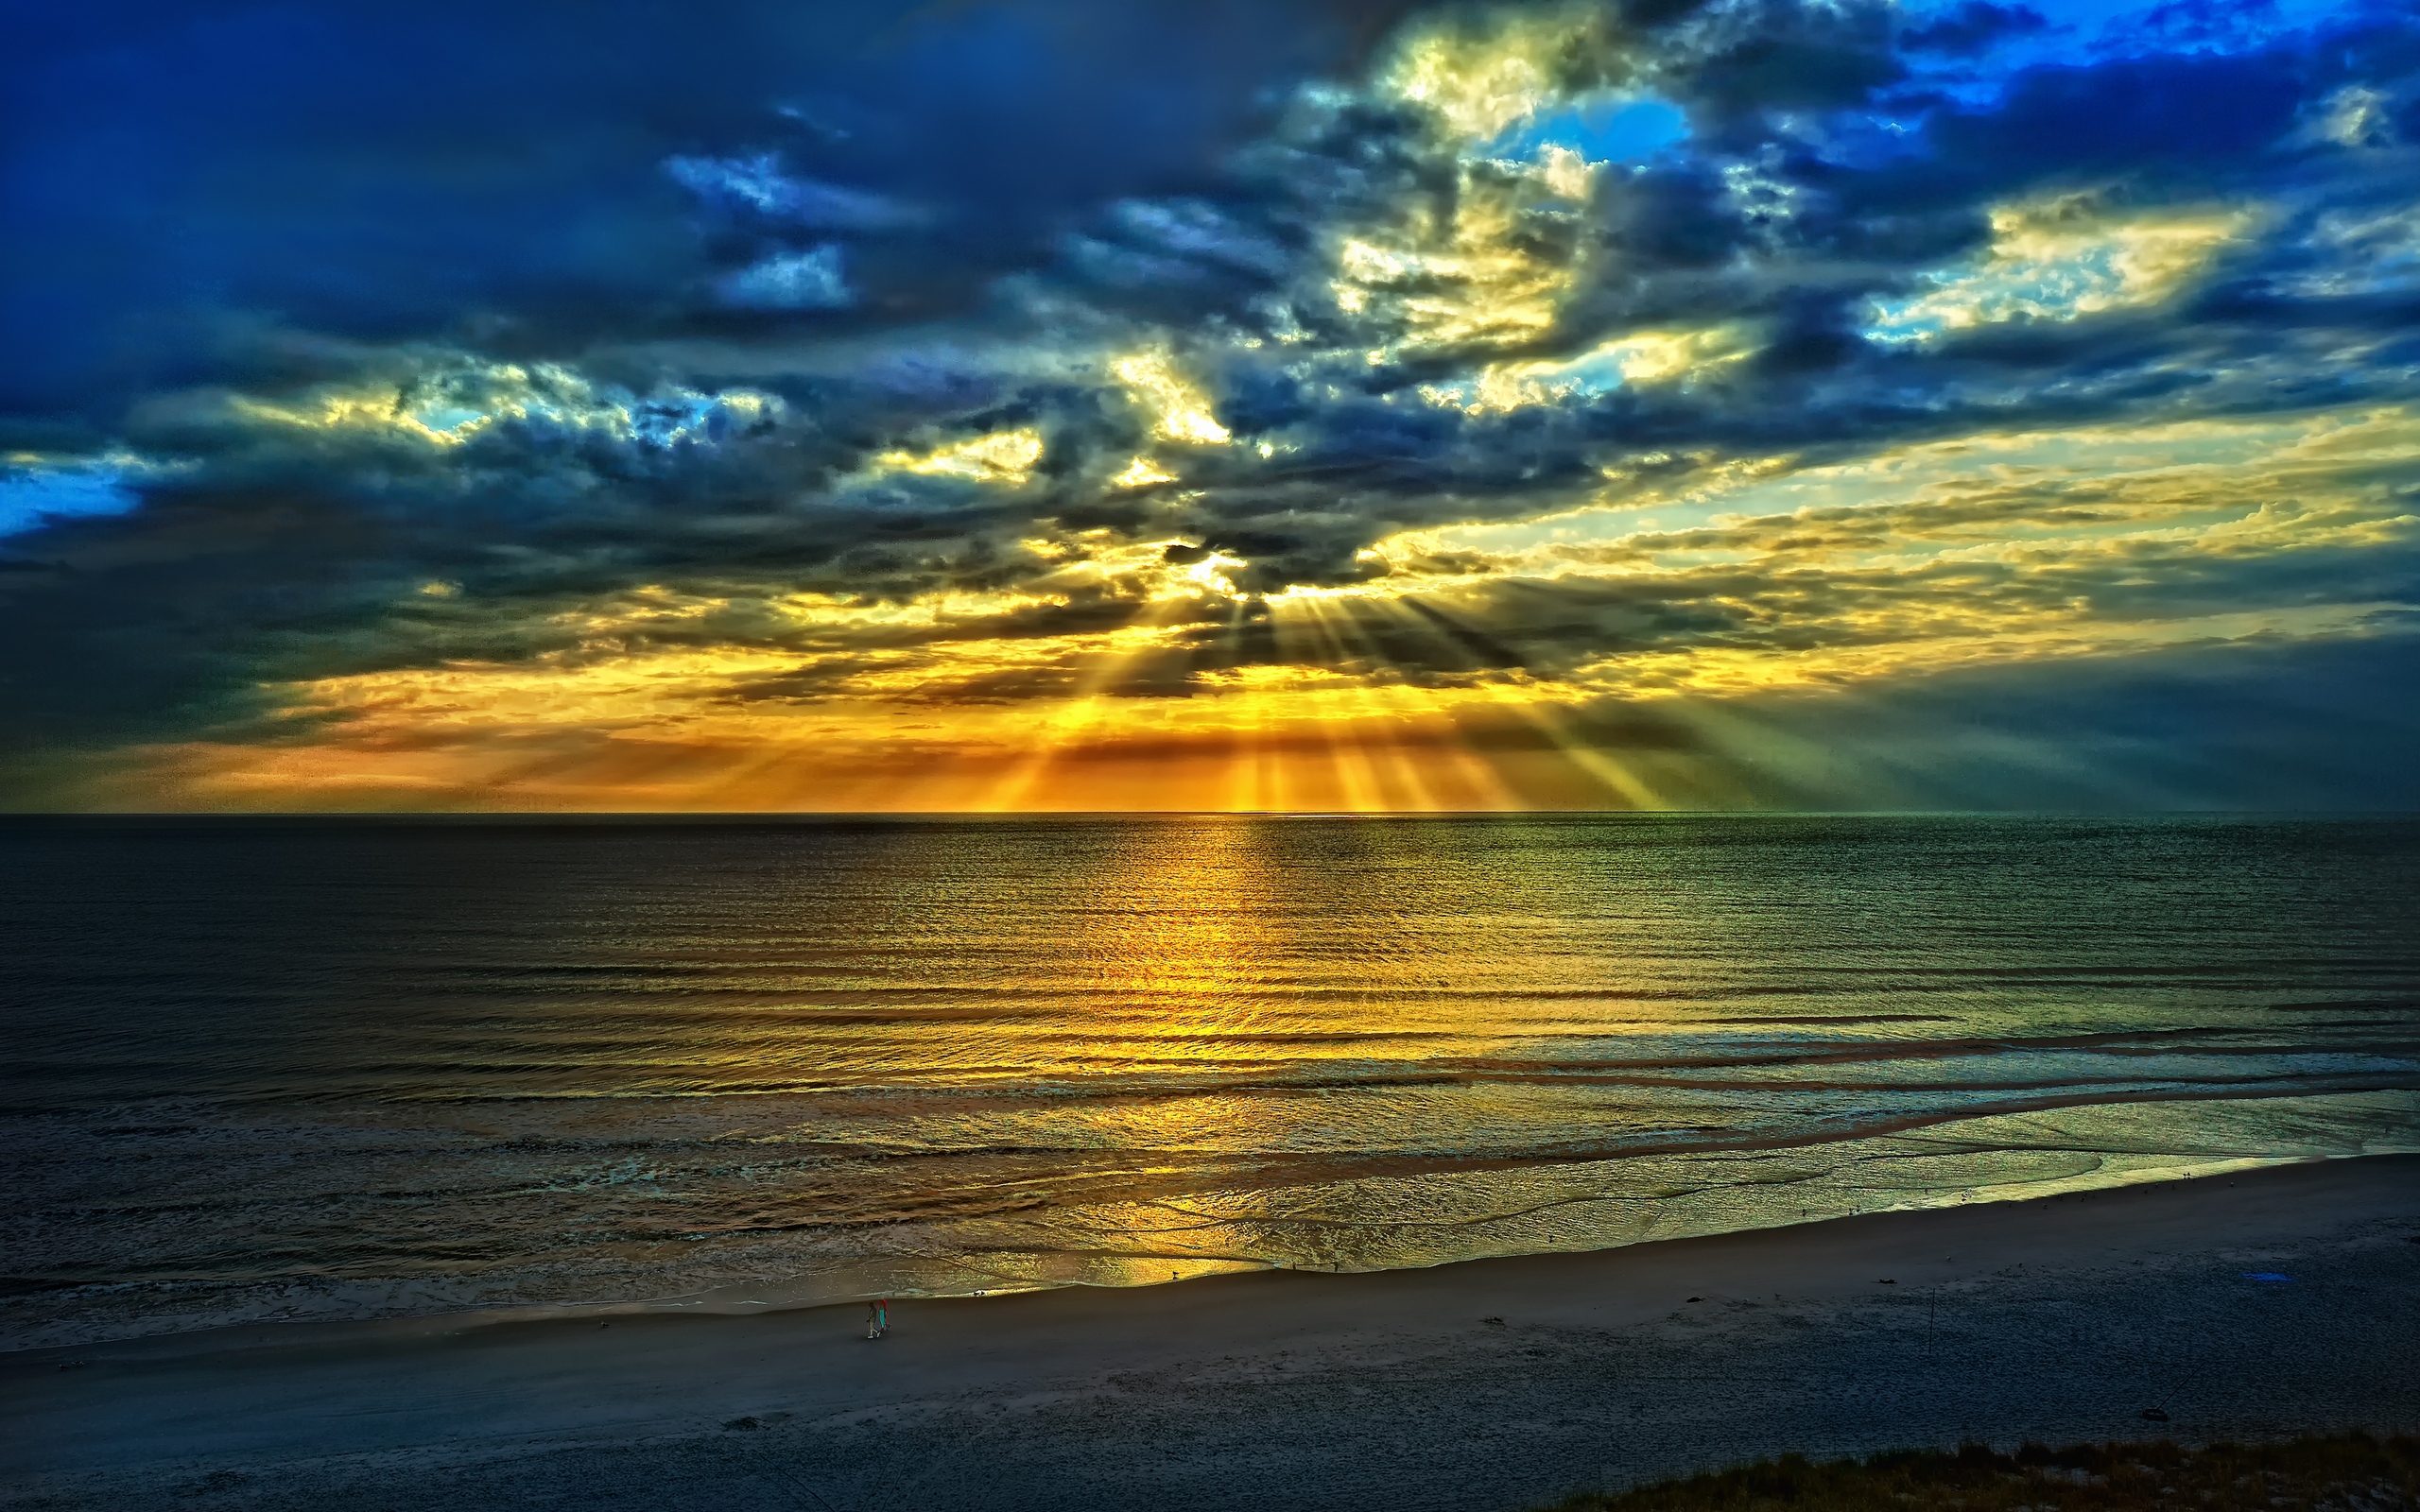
<point>877,1318</point>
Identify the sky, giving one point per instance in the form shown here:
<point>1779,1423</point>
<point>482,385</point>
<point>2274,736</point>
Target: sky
<point>1315,405</point>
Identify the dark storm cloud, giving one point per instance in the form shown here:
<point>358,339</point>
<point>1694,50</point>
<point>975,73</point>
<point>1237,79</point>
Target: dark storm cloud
<point>205,177</point>
<point>1972,29</point>
<point>2272,725</point>
<point>622,296</point>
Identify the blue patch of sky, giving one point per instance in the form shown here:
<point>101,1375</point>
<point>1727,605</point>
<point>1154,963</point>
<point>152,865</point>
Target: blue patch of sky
<point>31,497</point>
<point>1602,128</point>
<point>2219,26</point>
<point>447,417</point>
<point>2081,32</point>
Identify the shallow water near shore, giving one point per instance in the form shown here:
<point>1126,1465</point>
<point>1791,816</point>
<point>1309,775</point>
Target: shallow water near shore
<point>364,1068</point>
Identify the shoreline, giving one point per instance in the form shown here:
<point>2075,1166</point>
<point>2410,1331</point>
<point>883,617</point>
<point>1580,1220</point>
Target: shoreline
<point>857,1282</point>
<point>1492,1383</point>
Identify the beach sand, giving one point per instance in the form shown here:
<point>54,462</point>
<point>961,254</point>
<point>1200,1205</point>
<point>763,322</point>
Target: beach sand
<point>2057,1319</point>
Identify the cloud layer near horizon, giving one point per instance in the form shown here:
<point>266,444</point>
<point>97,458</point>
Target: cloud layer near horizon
<point>1068,405</point>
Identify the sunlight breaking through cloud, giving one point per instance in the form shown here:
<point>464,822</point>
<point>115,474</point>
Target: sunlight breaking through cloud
<point>1577,405</point>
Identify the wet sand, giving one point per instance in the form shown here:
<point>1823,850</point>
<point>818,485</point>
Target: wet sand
<point>1494,1384</point>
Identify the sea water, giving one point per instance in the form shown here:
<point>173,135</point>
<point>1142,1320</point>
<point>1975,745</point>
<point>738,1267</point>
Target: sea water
<point>348,1068</point>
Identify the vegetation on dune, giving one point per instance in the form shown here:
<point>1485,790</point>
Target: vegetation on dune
<point>2352,1472</point>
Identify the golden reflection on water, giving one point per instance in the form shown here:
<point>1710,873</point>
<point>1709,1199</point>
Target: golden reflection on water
<point>765,1064</point>
<point>1335,1046</point>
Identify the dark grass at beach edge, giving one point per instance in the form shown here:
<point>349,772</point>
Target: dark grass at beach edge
<point>2337,1472</point>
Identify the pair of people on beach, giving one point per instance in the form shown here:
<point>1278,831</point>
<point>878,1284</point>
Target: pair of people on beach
<point>877,1318</point>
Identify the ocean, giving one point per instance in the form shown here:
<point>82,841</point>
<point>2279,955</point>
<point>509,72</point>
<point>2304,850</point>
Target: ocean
<point>347,1068</point>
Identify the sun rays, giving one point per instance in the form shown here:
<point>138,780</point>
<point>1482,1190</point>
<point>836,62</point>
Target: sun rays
<point>1548,408</point>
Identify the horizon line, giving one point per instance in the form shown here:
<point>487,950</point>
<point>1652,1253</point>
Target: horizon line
<point>814,815</point>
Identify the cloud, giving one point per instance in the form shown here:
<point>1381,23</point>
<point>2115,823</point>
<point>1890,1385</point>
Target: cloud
<point>2063,259</point>
<point>758,184</point>
<point>1053,377</point>
<point>1972,27</point>
<point>791,280</point>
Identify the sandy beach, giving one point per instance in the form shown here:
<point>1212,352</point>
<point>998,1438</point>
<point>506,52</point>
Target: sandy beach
<point>1485,1385</point>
